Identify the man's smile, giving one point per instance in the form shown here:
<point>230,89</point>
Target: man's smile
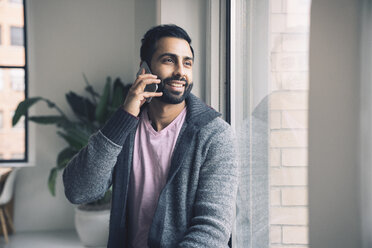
<point>176,85</point>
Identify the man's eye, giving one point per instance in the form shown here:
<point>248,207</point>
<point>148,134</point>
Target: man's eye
<point>168,60</point>
<point>188,63</point>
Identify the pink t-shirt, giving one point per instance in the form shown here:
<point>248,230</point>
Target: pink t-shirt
<point>151,161</point>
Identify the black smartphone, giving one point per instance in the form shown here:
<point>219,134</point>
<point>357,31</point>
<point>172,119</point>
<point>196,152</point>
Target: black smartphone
<point>149,87</point>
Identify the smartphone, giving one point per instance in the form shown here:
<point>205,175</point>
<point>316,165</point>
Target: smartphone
<point>149,87</point>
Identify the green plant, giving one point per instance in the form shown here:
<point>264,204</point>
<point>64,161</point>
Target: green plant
<point>91,112</point>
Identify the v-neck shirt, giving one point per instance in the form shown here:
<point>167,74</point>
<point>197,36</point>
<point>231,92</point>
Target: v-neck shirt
<point>151,162</point>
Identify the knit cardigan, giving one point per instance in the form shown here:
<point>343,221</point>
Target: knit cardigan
<point>195,207</point>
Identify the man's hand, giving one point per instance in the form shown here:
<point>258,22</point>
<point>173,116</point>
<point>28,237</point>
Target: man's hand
<point>137,95</point>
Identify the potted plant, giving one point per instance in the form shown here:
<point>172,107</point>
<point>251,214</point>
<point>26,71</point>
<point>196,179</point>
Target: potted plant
<point>91,112</point>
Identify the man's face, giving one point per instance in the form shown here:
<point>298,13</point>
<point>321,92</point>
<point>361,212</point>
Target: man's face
<point>172,62</point>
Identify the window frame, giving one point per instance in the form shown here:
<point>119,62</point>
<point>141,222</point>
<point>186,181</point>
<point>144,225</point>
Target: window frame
<point>12,162</point>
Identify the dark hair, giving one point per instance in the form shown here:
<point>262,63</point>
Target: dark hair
<point>151,37</point>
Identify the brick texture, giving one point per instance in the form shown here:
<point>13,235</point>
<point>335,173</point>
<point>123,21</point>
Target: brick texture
<point>288,112</point>
<point>294,157</point>
<point>289,215</point>
<point>295,235</point>
<point>288,176</point>
<point>294,196</point>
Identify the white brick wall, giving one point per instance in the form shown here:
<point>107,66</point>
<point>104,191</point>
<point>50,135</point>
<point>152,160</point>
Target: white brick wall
<point>288,106</point>
<point>288,176</point>
<point>295,235</point>
<point>289,215</point>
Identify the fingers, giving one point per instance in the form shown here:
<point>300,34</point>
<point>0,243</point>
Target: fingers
<point>140,86</point>
<point>151,94</point>
<point>144,77</point>
<point>146,95</point>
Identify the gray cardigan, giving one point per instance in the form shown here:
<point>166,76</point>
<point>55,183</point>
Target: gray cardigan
<point>196,206</point>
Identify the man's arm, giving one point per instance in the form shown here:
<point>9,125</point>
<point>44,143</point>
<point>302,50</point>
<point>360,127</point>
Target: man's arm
<point>214,205</point>
<point>88,175</point>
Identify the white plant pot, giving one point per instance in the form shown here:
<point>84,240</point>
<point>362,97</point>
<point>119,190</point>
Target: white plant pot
<point>92,227</point>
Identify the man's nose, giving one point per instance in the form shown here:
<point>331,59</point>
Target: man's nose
<point>179,70</point>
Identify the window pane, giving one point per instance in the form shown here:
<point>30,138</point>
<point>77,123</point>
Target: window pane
<point>16,36</point>
<point>1,120</point>
<point>16,156</point>
<point>1,79</point>
<point>12,139</point>
<point>16,1</point>
<point>12,52</point>
<point>269,112</point>
<point>12,80</point>
<point>17,79</point>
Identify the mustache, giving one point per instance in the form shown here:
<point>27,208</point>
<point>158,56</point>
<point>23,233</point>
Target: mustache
<point>166,80</point>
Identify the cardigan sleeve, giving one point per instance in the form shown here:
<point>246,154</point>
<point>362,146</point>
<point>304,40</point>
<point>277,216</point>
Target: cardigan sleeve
<point>214,205</point>
<point>88,175</point>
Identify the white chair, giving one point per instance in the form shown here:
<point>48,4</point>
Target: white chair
<point>5,197</point>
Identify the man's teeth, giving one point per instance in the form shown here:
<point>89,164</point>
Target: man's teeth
<point>176,85</point>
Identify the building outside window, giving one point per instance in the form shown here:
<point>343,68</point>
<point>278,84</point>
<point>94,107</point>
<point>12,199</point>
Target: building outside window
<point>16,36</point>
<point>21,123</point>
<point>17,79</point>
<point>13,81</point>
<point>16,1</point>
<point>1,79</point>
<point>1,120</point>
<point>17,156</point>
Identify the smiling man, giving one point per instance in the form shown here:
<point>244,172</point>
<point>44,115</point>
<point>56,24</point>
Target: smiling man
<point>171,162</point>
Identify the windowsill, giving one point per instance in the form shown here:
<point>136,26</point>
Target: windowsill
<point>18,164</point>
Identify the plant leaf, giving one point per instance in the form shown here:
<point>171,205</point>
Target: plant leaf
<point>50,103</point>
<point>89,88</point>
<point>75,141</point>
<point>101,110</point>
<point>118,94</point>
<point>81,106</point>
<point>23,107</point>
<point>50,119</point>
<point>52,181</point>
<point>64,157</point>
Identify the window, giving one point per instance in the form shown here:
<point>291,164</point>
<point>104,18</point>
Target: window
<point>0,36</point>
<point>1,120</point>
<point>17,79</point>
<point>16,36</point>
<point>16,1</point>
<point>13,82</point>
<point>1,79</point>
<point>21,123</point>
<point>268,109</point>
<point>17,156</point>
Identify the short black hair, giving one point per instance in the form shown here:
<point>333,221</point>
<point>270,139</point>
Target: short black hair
<point>151,37</point>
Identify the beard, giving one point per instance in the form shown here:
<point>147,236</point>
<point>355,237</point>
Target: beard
<point>173,97</point>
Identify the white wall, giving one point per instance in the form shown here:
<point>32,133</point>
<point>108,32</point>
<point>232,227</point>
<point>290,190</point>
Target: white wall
<point>99,38</point>
<point>334,124</point>
<point>191,16</point>
<point>145,18</point>
<point>66,38</point>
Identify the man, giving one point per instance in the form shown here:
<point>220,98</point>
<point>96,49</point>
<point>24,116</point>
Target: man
<point>171,162</point>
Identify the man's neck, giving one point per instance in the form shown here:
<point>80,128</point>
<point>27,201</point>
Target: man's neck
<point>162,114</point>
